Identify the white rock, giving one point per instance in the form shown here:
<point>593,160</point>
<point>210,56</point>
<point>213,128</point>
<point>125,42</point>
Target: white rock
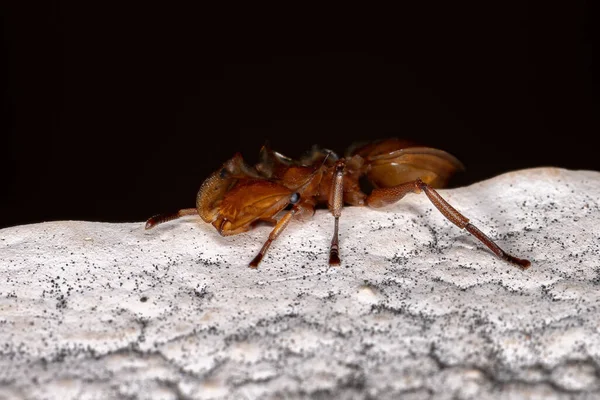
<point>418,308</point>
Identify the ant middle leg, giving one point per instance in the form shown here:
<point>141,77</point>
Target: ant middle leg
<point>384,196</point>
<point>336,203</point>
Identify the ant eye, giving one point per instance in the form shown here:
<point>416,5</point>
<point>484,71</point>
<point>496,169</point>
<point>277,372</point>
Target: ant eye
<point>223,173</point>
<point>294,198</point>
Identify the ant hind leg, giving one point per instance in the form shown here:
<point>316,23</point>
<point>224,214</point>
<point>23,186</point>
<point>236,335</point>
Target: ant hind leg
<point>384,196</point>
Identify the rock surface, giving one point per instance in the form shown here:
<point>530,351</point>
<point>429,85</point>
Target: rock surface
<point>418,309</point>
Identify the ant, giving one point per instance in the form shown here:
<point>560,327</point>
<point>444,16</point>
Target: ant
<point>237,197</point>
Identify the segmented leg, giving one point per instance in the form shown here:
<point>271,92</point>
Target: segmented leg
<point>279,227</point>
<point>336,203</point>
<point>383,196</point>
<point>162,218</point>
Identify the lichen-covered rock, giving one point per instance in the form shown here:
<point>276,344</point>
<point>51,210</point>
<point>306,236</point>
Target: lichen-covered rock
<point>418,309</point>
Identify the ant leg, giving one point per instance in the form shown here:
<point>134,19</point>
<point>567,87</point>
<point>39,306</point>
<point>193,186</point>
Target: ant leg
<point>336,203</point>
<point>279,227</point>
<point>161,218</point>
<point>383,196</point>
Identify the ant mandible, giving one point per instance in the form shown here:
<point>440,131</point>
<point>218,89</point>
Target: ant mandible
<point>238,196</point>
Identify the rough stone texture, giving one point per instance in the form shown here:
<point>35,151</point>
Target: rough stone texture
<point>418,309</point>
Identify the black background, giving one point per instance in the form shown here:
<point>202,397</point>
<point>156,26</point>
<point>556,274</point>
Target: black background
<point>116,113</point>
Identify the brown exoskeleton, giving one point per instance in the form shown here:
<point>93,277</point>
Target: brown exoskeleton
<point>238,196</point>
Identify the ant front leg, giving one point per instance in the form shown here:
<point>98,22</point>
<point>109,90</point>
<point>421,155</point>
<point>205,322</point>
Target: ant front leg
<point>277,230</point>
<point>162,218</point>
<point>384,196</point>
<point>299,210</point>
